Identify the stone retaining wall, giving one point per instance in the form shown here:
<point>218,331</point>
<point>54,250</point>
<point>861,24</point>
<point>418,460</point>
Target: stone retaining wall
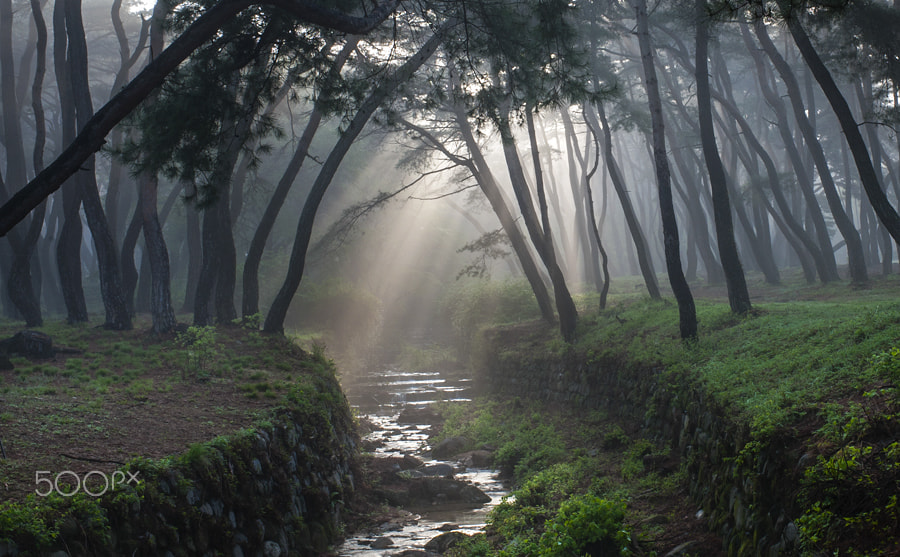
<point>274,490</point>
<point>745,489</point>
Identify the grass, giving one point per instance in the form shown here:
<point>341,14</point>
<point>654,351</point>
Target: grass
<point>130,394</point>
<point>817,365</point>
<point>771,366</point>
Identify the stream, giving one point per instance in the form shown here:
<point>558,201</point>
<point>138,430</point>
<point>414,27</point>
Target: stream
<point>380,397</point>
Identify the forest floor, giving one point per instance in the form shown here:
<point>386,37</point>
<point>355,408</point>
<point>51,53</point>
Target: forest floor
<point>128,394</point>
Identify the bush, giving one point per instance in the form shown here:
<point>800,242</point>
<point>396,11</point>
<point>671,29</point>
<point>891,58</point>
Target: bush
<point>472,304</point>
<point>586,525</point>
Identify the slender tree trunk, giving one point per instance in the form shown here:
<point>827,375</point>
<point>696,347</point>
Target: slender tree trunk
<point>582,236</point>
<point>565,307</point>
<point>163,316</point>
<point>637,234</point>
<point>117,316</point>
<point>21,286</point>
<point>804,180</point>
<point>880,204</point>
<point>687,312</point>
<point>857,264</point>
<point>250,298</point>
<point>193,240</point>
<point>738,296</point>
<point>275,319</point>
<point>68,247</point>
<point>485,178</point>
<point>589,194</point>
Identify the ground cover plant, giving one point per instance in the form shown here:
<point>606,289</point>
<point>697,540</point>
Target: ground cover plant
<point>581,484</point>
<point>813,366</point>
<point>130,394</point>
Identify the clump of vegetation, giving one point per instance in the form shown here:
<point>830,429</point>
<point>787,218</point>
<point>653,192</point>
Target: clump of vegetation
<point>473,304</point>
<point>850,494</point>
<point>200,349</point>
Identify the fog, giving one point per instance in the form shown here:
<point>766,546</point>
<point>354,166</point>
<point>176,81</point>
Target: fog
<point>406,230</point>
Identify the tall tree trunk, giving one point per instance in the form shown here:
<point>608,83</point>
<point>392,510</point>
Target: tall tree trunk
<point>867,175</point>
<point>803,178</point>
<point>543,237</point>
<point>195,256</point>
<point>634,226</point>
<point>250,297</point>
<point>485,178</point>
<point>21,286</point>
<point>589,194</point>
<point>68,248</point>
<point>161,310</point>
<point>866,104</point>
<point>117,317</point>
<point>857,263</point>
<point>738,296</point>
<point>687,312</point>
<point>127,60</point>
<point>278,311</point>
<point>582,236</point>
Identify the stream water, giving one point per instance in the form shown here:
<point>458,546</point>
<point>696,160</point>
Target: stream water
<point>380,397</point>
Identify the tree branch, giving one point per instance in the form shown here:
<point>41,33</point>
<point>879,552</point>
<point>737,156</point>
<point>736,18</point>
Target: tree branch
<point>93,135</point>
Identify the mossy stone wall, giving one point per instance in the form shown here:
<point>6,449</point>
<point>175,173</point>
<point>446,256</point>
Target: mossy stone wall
<point>745,487</point>
<point>274,490</point>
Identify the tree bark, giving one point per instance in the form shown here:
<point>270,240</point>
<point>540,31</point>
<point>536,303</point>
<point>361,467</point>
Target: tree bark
<point>738,295</point>
<point>488,184</point>
<point>634,226</point>
<point>882,207</point>
<point>68,248</point>
<point>687,312</point>
<point>543,244</point>
<point>117,317</point>
<point>856,260</point>
<point>250,297</point>
<point>161,311</point>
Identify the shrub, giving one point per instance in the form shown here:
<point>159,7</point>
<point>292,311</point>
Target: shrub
<point>586,524</point>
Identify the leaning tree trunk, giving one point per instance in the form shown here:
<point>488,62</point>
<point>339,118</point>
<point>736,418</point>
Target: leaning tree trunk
<point>93,135</point>
<point>867,175</point>
<point>645,262</point>
<point>485,178</point>
<point>541,237</point>
<point>804,180</point>
<point>278,311</point>
<point>687,312</point>
<point>856,260</point>
<point>738,296</point>
<point>250,297</point>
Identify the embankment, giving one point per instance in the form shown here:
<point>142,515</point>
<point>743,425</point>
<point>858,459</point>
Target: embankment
<point>746,489</point>
<point>275,489</point>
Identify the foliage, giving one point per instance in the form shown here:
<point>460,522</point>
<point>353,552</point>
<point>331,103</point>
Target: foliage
<point>851,501</point>
<point>201,347</point>
<point>526,442</point>
<point>473,304</point>
<point>849,495</point>
<point>585,524</point>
